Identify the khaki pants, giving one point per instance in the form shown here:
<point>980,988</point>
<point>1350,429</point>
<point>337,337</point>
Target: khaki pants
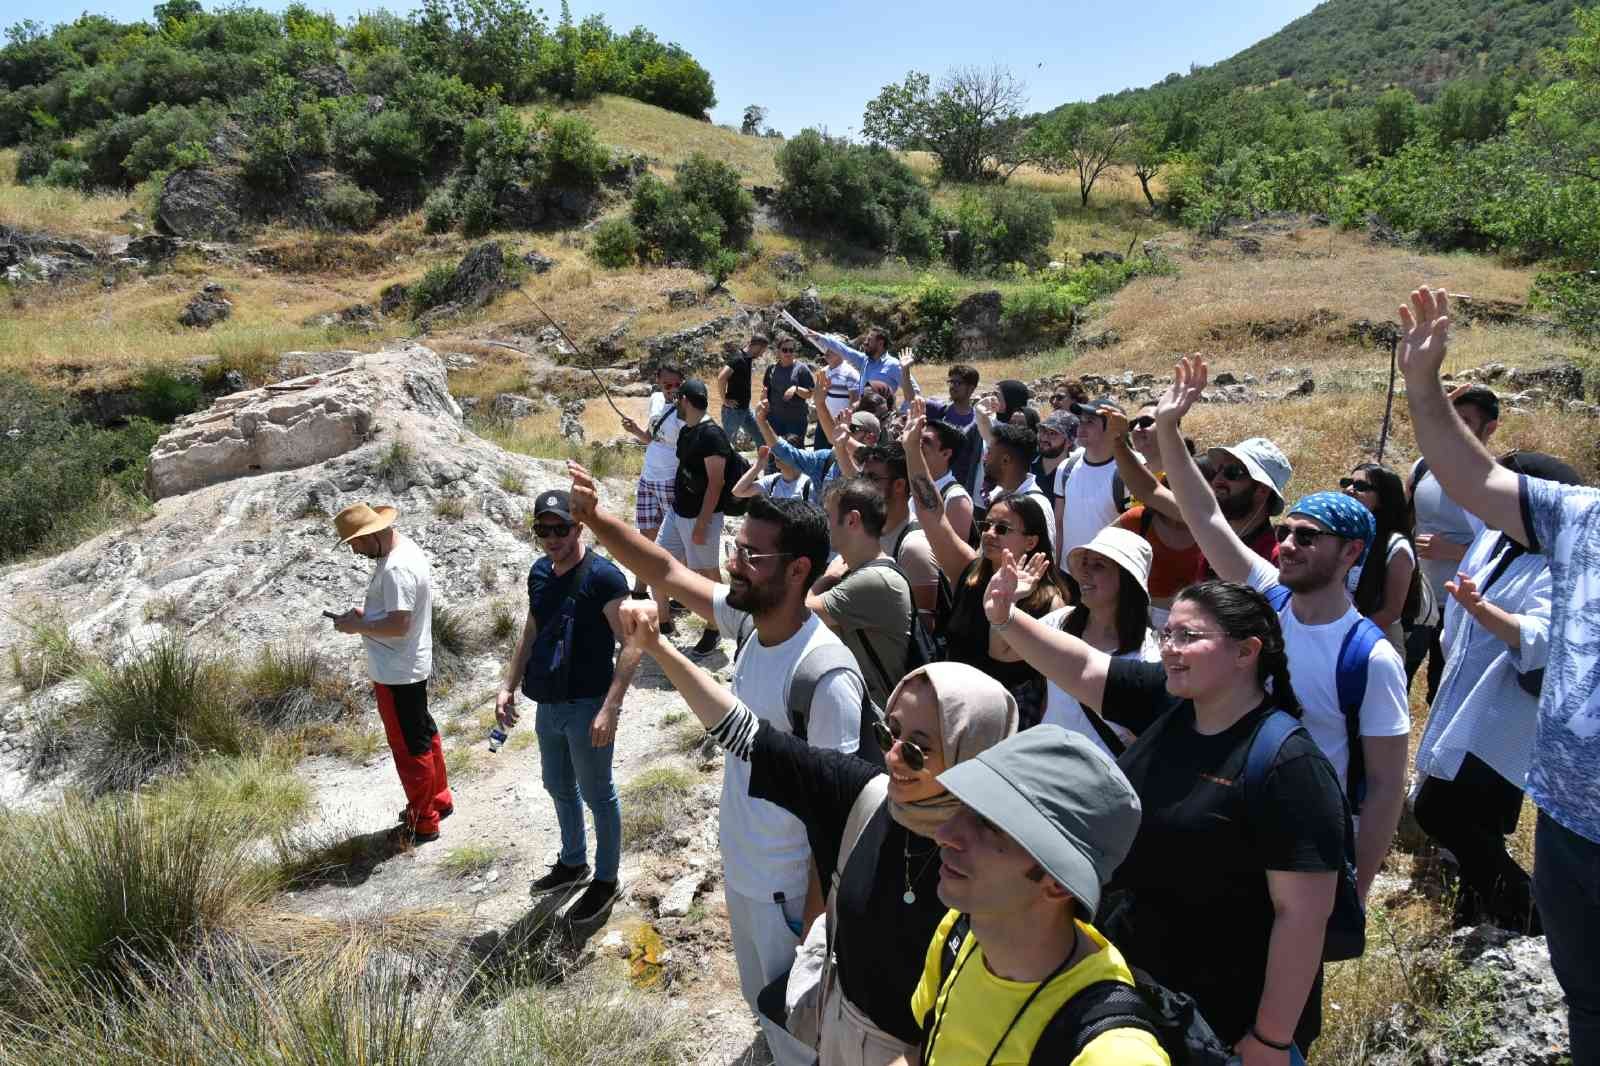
<point>849,1039</point>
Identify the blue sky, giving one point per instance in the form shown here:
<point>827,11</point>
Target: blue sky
<point>818,63</point>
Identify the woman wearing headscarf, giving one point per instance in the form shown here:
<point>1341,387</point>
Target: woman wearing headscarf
<point>1473,761</point>
<point>884,905</point>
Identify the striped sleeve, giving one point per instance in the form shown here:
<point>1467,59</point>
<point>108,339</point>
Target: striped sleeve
<point>736,733</point>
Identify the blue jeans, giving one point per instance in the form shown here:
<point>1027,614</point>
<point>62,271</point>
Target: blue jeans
<point>1566,888</point>
<point>737,418</point>
<point>573,768</point>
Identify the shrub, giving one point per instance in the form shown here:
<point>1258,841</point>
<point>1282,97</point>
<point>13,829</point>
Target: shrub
<point>451,633</point>
<point>127,149</point>
<point>165,397</point>
<point>702,212</point>
<point>1000,226</point>
<point>439,211</point>
<point>46,654</point>
<point>292,683</point>
<point>861,194</point>
<point>1573,297</point>
<point>575,158</point>
<point>430,290</point>
<point>348,206</point>
<point>384,151</point>
<point>68,174</point>
<point>935,305</point>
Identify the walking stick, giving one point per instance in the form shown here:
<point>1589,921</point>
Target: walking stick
<point>589,366</point>
<point>1388,407</point>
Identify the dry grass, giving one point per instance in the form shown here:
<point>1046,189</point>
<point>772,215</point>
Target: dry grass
<point>60,211</point>
<point>342,949</point>
<point>669,138</point>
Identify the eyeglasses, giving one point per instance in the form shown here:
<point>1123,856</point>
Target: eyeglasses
<point>1235,472</point>
<point>887,735</point>
<point>790,350</point>
<point>544,532</point>
<point>858,430</point>
<point>1304,536</point>
<point>1181,638</point>
<point>1142,422</point>
<point>746,557</point>
<point>1359,485</point>
<point>1000,528</point>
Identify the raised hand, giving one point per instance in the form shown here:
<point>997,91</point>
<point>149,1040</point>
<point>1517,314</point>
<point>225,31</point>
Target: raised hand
<point>908,357</point>
<point>1426,323</point>
<point>912,437</point>
<point>630,425</point>
<point>987,408</point>
<point>1116,422</point>
<point>1001,595</point>
<point>585,498</point>
<point>641,625</point>
<point>763,454</point>
<point>1465,590</point>
<point>1031,573</point>
<point>918,409</point>
<point>763,411</point>
<point>1189,377</point>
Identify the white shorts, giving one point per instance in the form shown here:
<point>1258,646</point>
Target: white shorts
<point>677,536</point>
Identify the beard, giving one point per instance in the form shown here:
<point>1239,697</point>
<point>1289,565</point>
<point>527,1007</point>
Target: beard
<point>1052,453</point>
<point>1235,506</point>
<point>1312,577</point>
<point>753,598</point>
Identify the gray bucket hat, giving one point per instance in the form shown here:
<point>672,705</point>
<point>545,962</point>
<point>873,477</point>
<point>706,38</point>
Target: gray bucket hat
<point>1061,798</point>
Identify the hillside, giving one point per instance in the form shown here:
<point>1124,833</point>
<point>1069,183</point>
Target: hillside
<point>1347,49</point>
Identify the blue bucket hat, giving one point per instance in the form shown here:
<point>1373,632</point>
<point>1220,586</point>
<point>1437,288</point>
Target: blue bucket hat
<point>1343,515</point>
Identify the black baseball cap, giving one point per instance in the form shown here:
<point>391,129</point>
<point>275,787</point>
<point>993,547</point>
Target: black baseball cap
<point>694,390</point>
<point>554,502</point>
<point>1097,408</point>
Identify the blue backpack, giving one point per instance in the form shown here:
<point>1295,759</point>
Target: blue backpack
<point>1351,680</point>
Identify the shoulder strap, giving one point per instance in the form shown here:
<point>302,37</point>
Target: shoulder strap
<point>803,487</point>
<point>747,628</point>
<point>950,486</point>
<point>1507,550</point>
<point>867,802</point>
<point>911,527</point>
<point>1095,1010</point>
<point>948,950</point>
<point>814,665</point>
<point>1351,675</point>
<point>1264,748</point>
<point>1119,492</point>
<point>1147,518</point>
<point>1418,472</point>
<point>1279,596</point>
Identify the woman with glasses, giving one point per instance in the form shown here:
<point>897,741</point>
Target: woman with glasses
<point>1228,889</point>
<point>1383,584</point>
<point>871,832</point>
<point>1014,523</point>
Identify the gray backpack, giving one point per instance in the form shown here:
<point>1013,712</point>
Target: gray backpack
<point>816,664</point>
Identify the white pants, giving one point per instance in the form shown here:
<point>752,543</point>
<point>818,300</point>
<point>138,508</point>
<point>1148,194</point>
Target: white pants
<point>763,945</point>
<point>850,1039</point>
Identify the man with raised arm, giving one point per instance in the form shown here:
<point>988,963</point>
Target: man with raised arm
<point>1563,523</point>
<point>873,364</point>
<point>1321,537</point>
<point>778,553</point>
<point>942,444</point>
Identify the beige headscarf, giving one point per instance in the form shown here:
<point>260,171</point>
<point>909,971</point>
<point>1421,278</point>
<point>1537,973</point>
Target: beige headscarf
<point>975,714</point>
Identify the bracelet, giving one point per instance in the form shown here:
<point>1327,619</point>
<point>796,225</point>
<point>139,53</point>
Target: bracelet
<point>1001,627</point>
<point>1273,1044</point>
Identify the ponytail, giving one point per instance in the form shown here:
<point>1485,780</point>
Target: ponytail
<point>1240,612</point>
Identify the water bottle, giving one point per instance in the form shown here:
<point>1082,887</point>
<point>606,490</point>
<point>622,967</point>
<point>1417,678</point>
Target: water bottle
<point>497,737</point>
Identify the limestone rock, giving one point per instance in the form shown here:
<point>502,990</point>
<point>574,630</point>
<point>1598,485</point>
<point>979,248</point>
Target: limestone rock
<point>1562,381</point>
<point>200,203</point>
<point>1102,257</point>
<point>393,298</point>
<point>511,406</point>
<point>978,321</point>
<point>539,262</point>
<point>680,897</point>
<point>788,265</point>
<point>479,277</point>
<point>208,307</point>
<point>154,247</point>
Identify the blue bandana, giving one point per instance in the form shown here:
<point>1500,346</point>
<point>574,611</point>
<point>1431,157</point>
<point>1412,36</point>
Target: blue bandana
<point>1344,515</point>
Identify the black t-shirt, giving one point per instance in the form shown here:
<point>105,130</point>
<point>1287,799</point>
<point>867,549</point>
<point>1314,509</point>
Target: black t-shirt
<point>882,941</point>
<point>1200,917</point>
<point>696,444</point>
<point>738,388</point>
<point>779,379</point>
<point>1046,480</point>
<point>966,631</point>
<point>593,643</point>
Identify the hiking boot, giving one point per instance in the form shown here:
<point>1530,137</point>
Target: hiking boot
<point>404,836</point>
<point>594,904</point>
<point>710,640</point>
<point>444,812</point>
<point>560,877</point>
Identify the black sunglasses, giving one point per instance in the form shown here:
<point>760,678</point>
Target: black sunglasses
<point>544,532</point>
<point>914,756</point>
<point>1000,528</point>
<point>1142,422</point>
<point>1235,472</point>
<point>1357,484</point>
<point>1304,536</point>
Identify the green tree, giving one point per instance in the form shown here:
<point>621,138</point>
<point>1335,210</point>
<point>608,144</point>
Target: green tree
<point>1078,138</point>
<point>1395,117</point>
<point>970,121</point>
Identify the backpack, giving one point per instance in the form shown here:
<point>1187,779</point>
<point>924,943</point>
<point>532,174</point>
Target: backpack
<point>817,663</point>
<point>549,671</point>
<point>944,605</point>
<point>1346,936</point>
<point>1171,1017</point>
<point>920,646</point>
<point>1351,680</point>
<point>735,467</point>
<point>1418,472</point>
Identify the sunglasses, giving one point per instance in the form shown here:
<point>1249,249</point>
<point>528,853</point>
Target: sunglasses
<point>887,735</point>
<point>1142,422</point>
<point>1304,536</point>
<point>1357,484</point>
<point>544,532</point>
<point>1000,528</point>
<point>1235,472</point>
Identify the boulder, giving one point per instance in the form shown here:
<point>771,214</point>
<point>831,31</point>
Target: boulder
<point>393,298</point>
<point>208,307</point>
<point>509,405</point>
<point>1247,245</point>
<point>329,80</point>
<point>682,297</point>
<point>977,323</point>
<point>1562,381</point>
<point>10,255</point>
<point>538,262</point>
<point>572,421</point>
<point>479,277</point>
<point>154,247</point>
<point>1102,257</point>
<point>442,315</point>
<point>359,317</point>
<point>200,203</point>
<point>680,896</point>
<point>807,307</point>
<point>788,265</point>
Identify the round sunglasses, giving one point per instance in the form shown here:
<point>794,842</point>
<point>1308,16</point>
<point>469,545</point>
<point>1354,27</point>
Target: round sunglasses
<point>887,735</point>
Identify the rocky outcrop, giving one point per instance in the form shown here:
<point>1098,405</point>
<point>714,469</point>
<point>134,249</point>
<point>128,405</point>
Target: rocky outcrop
<point>297,423</point>
<point>208,307</point>
<point>201,203</point>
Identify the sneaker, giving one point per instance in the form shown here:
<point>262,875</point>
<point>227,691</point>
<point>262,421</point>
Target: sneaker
<point>444,812</point>
<point>560,877</point>
<point>594,903</point>
<point>404,836</point>
<point>710,640</point>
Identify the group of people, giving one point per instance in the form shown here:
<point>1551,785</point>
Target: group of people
<point>1034,715</point>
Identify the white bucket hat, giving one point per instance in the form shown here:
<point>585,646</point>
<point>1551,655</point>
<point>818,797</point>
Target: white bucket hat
<point>1266,463</point>
<point>1125,548</point>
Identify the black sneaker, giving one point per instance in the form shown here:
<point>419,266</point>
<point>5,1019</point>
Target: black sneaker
<point>403,837</point>
<point>710,640</point>
<point>594,904</point>
<point>443,813</point>
<point>559,877</point>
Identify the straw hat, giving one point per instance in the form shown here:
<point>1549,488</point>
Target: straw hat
<point>359,519</point>
<point>1125,548</point>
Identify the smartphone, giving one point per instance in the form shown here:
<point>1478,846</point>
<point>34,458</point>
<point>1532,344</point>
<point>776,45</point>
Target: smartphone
<point>329,614</point>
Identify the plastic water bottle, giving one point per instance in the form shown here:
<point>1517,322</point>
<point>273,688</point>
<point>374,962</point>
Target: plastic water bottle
<point>497,737</point>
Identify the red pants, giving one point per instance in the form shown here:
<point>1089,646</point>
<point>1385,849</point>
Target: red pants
<point>418,755</point>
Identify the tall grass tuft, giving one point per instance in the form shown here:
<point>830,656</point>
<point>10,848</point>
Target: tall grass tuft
<point>291,684</point>
<point>46,654</point>
<point>158,707</point>
<point>88,889</point>
<point>262,790</point>
<point>652,803</point>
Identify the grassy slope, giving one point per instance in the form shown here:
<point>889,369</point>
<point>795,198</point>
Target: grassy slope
<point>669,138</point>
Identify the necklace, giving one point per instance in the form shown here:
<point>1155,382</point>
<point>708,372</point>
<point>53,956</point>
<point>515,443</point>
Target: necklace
<point>910,896</point>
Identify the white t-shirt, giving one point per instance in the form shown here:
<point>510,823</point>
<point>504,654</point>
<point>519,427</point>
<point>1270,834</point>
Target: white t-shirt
<point>661,454</point>
<point>843,383</point>
<point>956,491</point>
<point>400,583</point>
<point>1313,670</point>
<point>1065,711</point>
<point>1087,506</point>
<point>1398,545</point>
<point>779,487</point>
<point>764,847</point>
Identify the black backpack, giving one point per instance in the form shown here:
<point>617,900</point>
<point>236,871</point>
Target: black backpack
<point>944,606</point>
<point>974,538</point>
<point>1147,1005</point>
